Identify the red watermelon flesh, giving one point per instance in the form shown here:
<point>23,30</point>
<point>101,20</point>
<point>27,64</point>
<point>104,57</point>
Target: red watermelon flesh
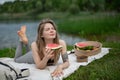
<point>53,46</point>
<point>81,44</point>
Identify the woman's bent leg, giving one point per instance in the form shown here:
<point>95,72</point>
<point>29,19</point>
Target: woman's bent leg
<point>18,52</point>
<point>27,58</point>
<point>27,47</point>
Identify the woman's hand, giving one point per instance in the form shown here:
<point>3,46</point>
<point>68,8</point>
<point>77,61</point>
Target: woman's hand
<point>49,53</point>
<point>57,72</point>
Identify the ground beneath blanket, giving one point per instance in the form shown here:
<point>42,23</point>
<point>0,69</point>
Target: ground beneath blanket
<point>37,74</point>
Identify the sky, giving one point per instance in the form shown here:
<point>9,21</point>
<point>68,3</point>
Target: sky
<point>2,1</point>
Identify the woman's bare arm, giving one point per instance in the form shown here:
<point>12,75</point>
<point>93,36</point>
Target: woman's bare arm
<point>41,64</point>
<point>59,70</point>
<point>64,55</point>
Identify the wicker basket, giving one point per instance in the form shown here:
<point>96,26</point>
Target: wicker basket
<point>80,53</point>
<point>82,59</point>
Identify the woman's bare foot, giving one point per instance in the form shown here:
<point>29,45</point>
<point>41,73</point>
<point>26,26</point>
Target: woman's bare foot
<point>23,29</point>
<point>22,34</point>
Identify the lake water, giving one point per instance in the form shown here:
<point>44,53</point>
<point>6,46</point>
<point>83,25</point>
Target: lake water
<point>9,38</point>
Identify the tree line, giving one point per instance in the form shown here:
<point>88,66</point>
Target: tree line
<point>73,6</point>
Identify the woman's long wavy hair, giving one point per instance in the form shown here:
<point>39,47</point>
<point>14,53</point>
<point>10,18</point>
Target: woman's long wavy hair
<point>40,40</point>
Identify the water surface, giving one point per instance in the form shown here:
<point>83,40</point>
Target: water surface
<point>9,38</point>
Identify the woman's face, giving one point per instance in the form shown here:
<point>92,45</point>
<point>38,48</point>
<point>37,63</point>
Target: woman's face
<point>49,31</point>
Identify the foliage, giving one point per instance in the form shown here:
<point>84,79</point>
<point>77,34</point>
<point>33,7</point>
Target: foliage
<point>87,24</point>
<point>112,5</point>
<point>39,6</point>
<point>74,9</point>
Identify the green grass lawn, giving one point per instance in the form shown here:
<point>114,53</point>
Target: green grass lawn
<point>106,68</point>
<point>97,24</point>
<point>7,52</point>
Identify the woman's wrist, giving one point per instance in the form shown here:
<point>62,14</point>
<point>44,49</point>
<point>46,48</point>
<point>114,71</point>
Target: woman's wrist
<point>45,59</point>
<point>60,66</point>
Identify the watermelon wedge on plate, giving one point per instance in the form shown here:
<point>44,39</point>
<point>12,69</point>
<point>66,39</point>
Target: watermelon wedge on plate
<point>53,46</point>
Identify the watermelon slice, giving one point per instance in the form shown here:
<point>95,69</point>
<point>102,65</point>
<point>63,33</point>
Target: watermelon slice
<point>53,46</point>
<point>81,44</point>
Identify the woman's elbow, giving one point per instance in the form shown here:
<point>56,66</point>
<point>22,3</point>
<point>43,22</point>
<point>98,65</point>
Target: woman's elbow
<point>40,67</point>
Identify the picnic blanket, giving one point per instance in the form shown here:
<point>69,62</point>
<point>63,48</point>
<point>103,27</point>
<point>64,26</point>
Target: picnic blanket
<point>37,74</point>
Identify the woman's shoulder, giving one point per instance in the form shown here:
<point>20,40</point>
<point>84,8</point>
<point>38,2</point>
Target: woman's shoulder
<point>62,42</point>
<point>33,44</point>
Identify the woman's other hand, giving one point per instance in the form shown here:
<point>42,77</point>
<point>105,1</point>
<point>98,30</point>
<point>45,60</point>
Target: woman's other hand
<point>57,72</point>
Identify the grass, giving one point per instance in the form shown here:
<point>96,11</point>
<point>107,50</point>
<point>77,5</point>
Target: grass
<point>97,24</point>
<point>7,52</point>
<point>106,68</point>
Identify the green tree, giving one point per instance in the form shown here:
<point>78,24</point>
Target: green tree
<point>64,5</point>
<point>112,5</point>
<point>74,7</point>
